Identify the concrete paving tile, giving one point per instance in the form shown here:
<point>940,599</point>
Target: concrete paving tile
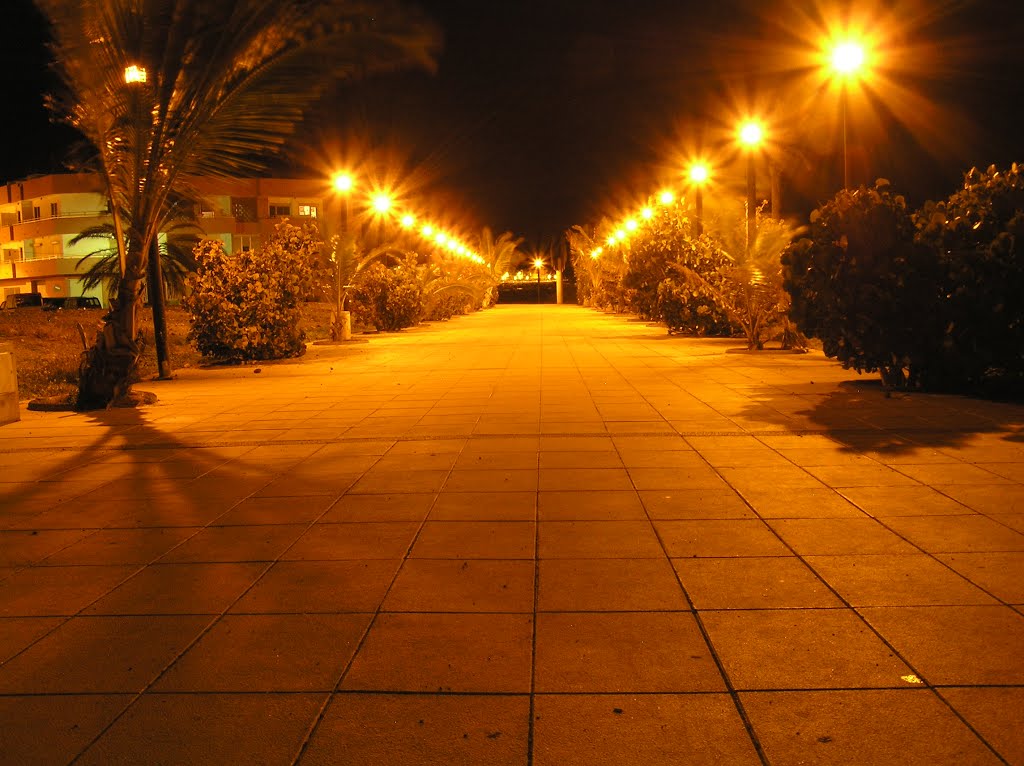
<point>623,652</point>
<point>58,590</point>
<point>294,485</point>
<point>475,540</point>
<point>837,537</point>
<point>353,447</point>
<point>882,502</point>
<point>696,729</point>
<point>576,444</point>
<point>554,461</point>
<point>485,444</point>
<point>724,457</point>
<point>427,447</point>
<point>236,543</point>
<point>986,498</point>
<point>388,482</point>
<point>952,473</point>
<point>434,585</point>
<point>752,583</point>
<point>1013,471</point>
<point>180,589</point>
<point>597,539</point>
<point>485,506</point>
<point>268,653</point>
<point>416,461</point>
<point>100,655</point>
<point>122,546</point>
<point>209,729</point>
<point>679,459</point>
<point>997,714</point>
<point>17,633</point>
<point>574,479</point>
<point>870,474</point>
<point>970,645</point>
<point>311,587</point>
<point>421,730</point>
<point>907,726</point>
<point>748,478</point>
<point>397,507</point>
<point>492,481</point>
<point>676,478</point>
<point>626,444</point>
<point>957,534</point>
<point>608,585</point>
<point>275,510</point>
<point>589,505</point>
<point>56,728</point>
<point>804,503</point>
<point>1014,521</point>
<point>185,510</point>
<point>885,580</point>
<point>20,548</point>
<point>497,461</point>
<point>1001,574</point>
<point>444,653</point>
<point>719,538</point>
<point>695,504</point>
<point>362,540</point>
<point>801,649</point>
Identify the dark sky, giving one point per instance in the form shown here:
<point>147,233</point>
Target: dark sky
<point>546,113</point>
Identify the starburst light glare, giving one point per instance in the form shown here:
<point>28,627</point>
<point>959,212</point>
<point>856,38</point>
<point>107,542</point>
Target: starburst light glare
<point>847,58</point>
<point>342,182</point>
<point>751,133</point>
<point>666,197</point>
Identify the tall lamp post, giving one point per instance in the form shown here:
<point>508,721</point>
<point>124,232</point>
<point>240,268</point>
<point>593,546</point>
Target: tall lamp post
<point>847,62</point>
<point>342,327</point>
<point>538,264</point>
<point>699,174</point>
<point>751,135</point>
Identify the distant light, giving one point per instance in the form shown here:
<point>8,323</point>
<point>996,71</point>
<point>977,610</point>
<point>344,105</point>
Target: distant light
<point>620,235</point>
<point>631,225</point>
<point>699,173</point>
<point>408,221</point>
<point>343,182</point>
<point>381,203</point>
<point>666,197</point>
<point>751,133</point>
<point>133,74</point>
<point>611,241</point>
<point>538,263</point>
<point>847,58</point>
<point>427,231</point>
<point>440,238</point>
<point>647,214</point>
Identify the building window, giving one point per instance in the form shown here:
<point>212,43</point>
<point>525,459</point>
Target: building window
<point>245,242</point>
<point>307,211</point>
<point>278,210</point>
<point>53,210</point>
<point>36,213</point>
<point>244,209</point>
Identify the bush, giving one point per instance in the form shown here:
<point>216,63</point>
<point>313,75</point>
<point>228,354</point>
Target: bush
<point>246,307</point>
<point>387,299</point>
<point>862,284</point>
<point>686,310</point>
<point>979,237</point>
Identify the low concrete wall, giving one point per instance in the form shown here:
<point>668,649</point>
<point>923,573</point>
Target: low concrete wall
<point>9,412</point>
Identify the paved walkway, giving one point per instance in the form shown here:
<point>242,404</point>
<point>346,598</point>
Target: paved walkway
<point>531,535</point>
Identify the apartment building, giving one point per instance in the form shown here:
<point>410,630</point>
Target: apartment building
<point>41,215</point>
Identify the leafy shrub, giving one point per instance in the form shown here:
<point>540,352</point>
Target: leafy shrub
<point>447,306</point>
<point>978,234</point>
<point>862,284</point>
<point>387,299</point>
<point>686,310</point>
<point>246,307</point>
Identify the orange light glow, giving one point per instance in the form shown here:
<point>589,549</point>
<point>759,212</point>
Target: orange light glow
<point>847,58</point>
<point>666,197</point>
<point>134,74</point>
<point>381,203</point>
<point>343,182</point>
<point>699,173</point>
<point>408,221</point>
<point>751,133</point>
<point>647,213</point>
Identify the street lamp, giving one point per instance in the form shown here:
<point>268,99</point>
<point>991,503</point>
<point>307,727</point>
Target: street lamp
<point>343,183</point>
<point>538,263</point>
<point>847,62</point>
<point>699,175</point>
<point>751,135</point>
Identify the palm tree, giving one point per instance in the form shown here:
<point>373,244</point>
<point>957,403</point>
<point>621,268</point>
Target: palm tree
<point>500,253</point>
<point>162,89</point>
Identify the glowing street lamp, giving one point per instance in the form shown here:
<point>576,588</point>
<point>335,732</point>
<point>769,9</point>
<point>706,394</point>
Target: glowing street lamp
<point>847,62</point>
<point>538,263</point>
<point>699,175</point>
<point>751,135</point>
<point>341,329</point>
<point>381,203</point>
<point>666,197</point>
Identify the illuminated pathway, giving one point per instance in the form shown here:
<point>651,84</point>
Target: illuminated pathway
<point>530,535</point>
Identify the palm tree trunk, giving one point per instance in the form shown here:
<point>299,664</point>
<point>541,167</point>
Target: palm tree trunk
<point>157,302</point>
<point>108,367</point>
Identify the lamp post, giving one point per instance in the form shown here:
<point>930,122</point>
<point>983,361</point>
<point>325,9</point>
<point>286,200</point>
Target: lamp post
<point>699,175</point>
<point>342,327</point>
<point>538,263</point>
<point>751,135</point>
<point>847,62</point>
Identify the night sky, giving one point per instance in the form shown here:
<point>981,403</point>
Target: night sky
<point>547,113</point>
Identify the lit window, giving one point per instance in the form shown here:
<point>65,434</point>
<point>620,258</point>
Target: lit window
<point>307,211</point>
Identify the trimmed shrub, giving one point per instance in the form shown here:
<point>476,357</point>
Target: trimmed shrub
<point>387,299</point>
<point>246,307</point>
<point>862,284</point>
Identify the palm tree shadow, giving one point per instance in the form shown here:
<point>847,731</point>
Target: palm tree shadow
<point>865,417</point>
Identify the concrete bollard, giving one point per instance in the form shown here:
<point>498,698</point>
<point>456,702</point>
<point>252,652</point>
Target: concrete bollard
<point>9,412</point>
<point>346,325</point>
